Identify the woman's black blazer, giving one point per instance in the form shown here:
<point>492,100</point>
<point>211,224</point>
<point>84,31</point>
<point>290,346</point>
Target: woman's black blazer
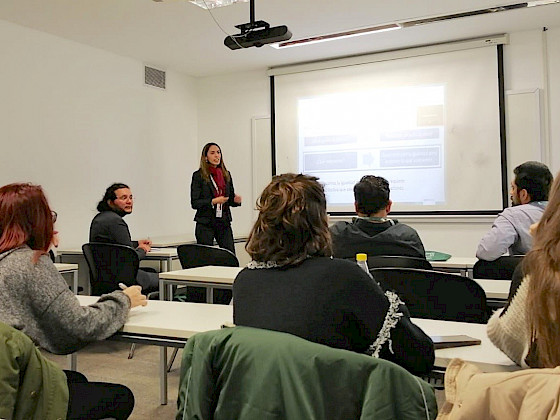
<point>201,199</point>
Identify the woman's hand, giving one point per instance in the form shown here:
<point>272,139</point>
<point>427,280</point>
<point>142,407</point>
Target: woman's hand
<point>136,297</point>
<point>237,199</point>
<point>219,200</point>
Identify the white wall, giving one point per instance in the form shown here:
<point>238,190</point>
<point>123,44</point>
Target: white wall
<point>226,105</point>
<point>75,119</point>
<point>248,95</point>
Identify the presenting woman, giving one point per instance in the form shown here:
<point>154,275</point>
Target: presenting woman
<point>212,195</point>
<point>35,299</point>
<point>293,284</point>
<point>527,330</point>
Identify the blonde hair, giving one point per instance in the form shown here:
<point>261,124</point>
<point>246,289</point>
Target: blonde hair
<point>542,264</point>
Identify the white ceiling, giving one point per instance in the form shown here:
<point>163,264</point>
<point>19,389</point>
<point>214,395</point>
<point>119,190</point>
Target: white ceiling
<point>178,35</point>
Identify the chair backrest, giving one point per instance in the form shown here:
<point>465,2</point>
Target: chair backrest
<point>434,294</point>
<point>248,373</point>
<point>196,255</point>
<point>109,265</point>
<point>376,261</point>
<point>500,269</point>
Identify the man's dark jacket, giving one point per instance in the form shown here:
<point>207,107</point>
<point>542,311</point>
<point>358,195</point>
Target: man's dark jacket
<point>375,238</point>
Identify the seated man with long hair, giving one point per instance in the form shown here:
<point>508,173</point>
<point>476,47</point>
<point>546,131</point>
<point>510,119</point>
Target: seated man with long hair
<point>294,285</point>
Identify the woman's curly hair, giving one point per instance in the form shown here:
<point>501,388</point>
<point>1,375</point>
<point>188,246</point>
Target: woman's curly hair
<point>292,222</point>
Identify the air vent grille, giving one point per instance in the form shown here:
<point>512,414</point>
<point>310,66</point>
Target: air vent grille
<point>154,77</point>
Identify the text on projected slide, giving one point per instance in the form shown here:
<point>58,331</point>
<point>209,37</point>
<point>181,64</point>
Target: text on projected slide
<point>396,133</point>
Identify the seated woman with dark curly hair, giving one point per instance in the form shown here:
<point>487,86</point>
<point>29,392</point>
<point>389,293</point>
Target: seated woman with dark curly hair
<point>293,284</point>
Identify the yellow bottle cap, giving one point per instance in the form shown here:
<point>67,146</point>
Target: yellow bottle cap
<point>361,257</point>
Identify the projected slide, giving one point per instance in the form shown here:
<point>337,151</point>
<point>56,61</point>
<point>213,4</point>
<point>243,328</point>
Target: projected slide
<point>396,133</point>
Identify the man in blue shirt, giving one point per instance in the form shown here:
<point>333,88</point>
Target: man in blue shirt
<point>510,230</point>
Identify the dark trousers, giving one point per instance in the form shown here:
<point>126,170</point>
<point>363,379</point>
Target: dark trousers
<point>219,229</point>
<point>97,400</point>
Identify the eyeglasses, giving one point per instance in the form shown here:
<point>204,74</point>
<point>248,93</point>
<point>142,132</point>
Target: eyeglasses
<point>54,215</point>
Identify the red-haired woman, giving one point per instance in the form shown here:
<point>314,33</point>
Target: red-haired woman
<point>35,299</point>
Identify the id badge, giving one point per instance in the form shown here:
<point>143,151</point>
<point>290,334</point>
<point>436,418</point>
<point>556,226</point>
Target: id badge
<point>218,210</point>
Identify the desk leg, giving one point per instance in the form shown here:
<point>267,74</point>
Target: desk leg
<point>209,295</point>
<point>75,277</point>
<point>73,361</point>
<point>163,375</point>
<point>470,273</point>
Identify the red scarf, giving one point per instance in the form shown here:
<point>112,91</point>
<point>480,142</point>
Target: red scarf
<point>218,176</point>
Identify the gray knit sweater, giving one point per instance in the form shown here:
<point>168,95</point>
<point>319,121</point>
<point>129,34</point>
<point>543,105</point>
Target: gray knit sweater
<point>35,299</point>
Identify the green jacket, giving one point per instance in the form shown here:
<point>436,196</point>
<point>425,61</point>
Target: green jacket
<point>245,373</point>
<point>31,387</point>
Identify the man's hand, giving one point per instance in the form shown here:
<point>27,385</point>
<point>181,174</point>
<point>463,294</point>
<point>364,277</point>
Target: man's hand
<point>145,244</point>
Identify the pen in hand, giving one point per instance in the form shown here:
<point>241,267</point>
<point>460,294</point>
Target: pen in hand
<point>135,295</point>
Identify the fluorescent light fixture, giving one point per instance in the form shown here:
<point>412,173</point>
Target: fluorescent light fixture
<point>407,24</point>
<point>541,2</point>
<point>212,4</point>
<point>340,35</point>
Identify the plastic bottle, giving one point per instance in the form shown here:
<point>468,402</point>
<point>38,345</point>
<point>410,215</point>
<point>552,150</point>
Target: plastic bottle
<point>361,260</point>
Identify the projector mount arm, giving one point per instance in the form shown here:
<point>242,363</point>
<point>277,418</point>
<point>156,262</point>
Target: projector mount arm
<point>253,24</point>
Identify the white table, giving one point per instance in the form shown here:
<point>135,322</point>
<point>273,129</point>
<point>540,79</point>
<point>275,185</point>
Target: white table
<point>166,323</point>
<point>173,240</point>
<point>464,265</point>
<point>170,324</point>
<point>495,289</point>
<point>209,276</point>
<point>182,239</point>
<point>486,356</point>
<point>69,269</point>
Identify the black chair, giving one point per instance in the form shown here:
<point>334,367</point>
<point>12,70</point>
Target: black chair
<point>109,265</point>
<point>196,255</point>
<point>376,261</point>
<point>435,295</point>
<point>500,269</point>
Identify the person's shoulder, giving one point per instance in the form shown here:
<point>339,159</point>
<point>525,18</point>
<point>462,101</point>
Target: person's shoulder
<point>403,226</point>
<point>107,215</point>
<point>339,226</point>
<point>18,257</point>
<point>335,265</point>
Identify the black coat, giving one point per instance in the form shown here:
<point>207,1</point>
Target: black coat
<point>201,199</point>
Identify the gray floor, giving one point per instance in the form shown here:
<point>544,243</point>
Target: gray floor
<point>107,361</point>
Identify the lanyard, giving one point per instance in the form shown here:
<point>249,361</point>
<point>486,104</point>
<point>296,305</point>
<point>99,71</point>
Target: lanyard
<point>215,185</point>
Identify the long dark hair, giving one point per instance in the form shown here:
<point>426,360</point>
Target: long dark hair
<point>292,222</point>
<point>204,165</point>
<point>110,195</point>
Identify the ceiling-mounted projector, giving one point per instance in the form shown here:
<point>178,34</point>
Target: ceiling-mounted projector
<point>256,33</point>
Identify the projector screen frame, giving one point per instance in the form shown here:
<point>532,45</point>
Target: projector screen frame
<point>498,42</point>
